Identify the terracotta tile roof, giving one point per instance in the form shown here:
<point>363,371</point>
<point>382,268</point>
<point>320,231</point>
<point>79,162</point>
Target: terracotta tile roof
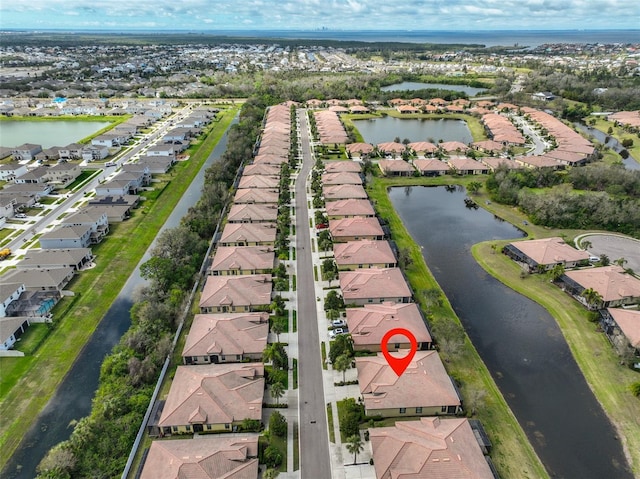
<point>254,181</point>
<point>344,166</point>
<point>249,290</point>
<point>373,283</point>
<point>359,147</point>
<point>341,178</point>
<point>357,226</point>
<point>425,383</point>
<point>467,164</point>
<point>248,233</point>
<point>263,170</point>
<point>349,207</point>
<point>343,192</point>
<point>227,334</point>
<point>256,195</point>
<point>270,159</point>
<point>369,324</point>
<point>537,161</point>
<point>214,394</point>
<point>395,166</point>
<point>611,282</point>
<point>451,146</point>
<point>252,212</point>
<point>210,457</point>
<point>431,165</point>
<point>629,323</point>
<point>423,146</point>
<point>228,258</point>
<point>494,163</point>
<point>391,147</point>
<point>363,252</point>
<point>433,448</point>
<point>550,251</point>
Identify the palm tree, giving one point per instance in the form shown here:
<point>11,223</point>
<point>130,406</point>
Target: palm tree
<point>343,362</point>
<point>277,391</point>
<point>592,297</point>
<point>586,244</point>
<point>277,327</point>
<point>621,262</point>
<point>354,446</point>
<point>557,272</point>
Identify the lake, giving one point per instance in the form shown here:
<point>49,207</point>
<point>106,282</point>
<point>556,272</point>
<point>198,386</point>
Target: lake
<point>518,340</point>
<point>410,85</point>
<point>380,130</point>
<point>47,133</point>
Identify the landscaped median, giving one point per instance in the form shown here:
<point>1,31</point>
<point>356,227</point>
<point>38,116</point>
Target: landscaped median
<point>512,453</point>
<point>601,367</point>
<point>28,383</point>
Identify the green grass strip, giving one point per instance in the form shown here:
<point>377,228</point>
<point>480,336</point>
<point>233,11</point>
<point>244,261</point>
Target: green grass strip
<point>332,432</point>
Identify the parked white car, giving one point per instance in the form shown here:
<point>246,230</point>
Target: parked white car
<point>336,332</point>
<point>338,323</point>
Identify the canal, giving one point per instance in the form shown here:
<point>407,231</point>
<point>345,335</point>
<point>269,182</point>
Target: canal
<point>517,339</point>
<point>72,399</point>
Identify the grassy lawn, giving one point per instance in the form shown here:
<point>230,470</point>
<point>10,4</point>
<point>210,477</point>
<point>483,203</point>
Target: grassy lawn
<point>332,433</point>
<point>27,383</point>
<point>512,453</point>
<point>296,448</point>
<point>592,351</point>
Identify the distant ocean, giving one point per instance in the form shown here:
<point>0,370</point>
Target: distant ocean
<point>489,38</point>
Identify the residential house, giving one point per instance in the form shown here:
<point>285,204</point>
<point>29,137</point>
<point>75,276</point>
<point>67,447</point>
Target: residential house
<point>622,327</point>
<point>354,255</point>
<point>8,206</point>
<point>236,294</point>
<point>213,398</point>
<point>432,167</point>
<point>163,150</point>
<point>344,192</point>
<point>116,187</point>
<point>342,166</point>
<point>369,324</point>
<point>95,153</point>
<point>256,181</point>
<point>349,208</point>
<point>26,152</point>
<point>52,280</point>
<point>424,389</point>
<point>256,195</point>
<point>96,220</point>
<point>431,447</point>
<point>68,236</point>
<point>36,176</point>
<point>248,234</point>
<point>467,166</point>
<point>495,163</point>
<point>270,159</point>
<point>453,147</point>
<point>75,258</point>
<point>10,171</point>
<point>210,457</point>
<point>354,229</point>
<point>226,338</point>
<point>157,165</point>
<point>241,260</point>
<point>423,148</point>
<point>62,174</point>
<point>396,168</point>
<point>11,330</point>
<point>544,254</point>
<point>9,292</point>
<point>110,140</point>
<point>374,285</point>
<point>341,178</point>
<point>613,285</point>
<point>115,213</point>
<point>252,213</point>
<point>261,170</point>
<point>139,171</point>
<point>358,150</point>
<point>392,149</point>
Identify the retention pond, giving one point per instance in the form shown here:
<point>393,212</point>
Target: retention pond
<point>518,340</point>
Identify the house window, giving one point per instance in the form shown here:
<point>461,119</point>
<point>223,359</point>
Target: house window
<point>227,426</point>
<point>403,410</point>
<point>175,428</point>
<point>238,357</point>
<point>443,409</point>
<point>188,427</point>
<point>209,426</point>
<point>369,300</point>
<point>222,358</point>
<point>418,410</point>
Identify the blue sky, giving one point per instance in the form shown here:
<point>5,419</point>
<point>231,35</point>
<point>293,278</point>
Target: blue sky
<point>218,15</point>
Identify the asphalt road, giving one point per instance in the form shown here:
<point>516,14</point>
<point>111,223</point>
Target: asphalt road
<point>315,461</point>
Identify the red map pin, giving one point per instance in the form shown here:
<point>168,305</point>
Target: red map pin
<point>399,364</point>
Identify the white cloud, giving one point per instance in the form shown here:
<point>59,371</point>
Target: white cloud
<point>338,14</point>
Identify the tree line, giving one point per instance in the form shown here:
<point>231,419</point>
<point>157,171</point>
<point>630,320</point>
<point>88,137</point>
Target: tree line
<point>597,196</point>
